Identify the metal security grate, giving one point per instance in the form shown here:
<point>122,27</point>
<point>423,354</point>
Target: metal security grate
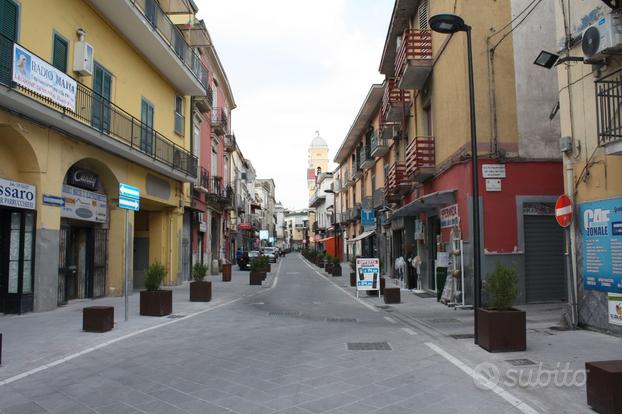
<point>520,362</point>
<point>353,320</point>
<point>369,346</point>
<point>463,336</point>
<point>608,108</point>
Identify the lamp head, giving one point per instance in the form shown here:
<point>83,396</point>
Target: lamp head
<point>447,23</point>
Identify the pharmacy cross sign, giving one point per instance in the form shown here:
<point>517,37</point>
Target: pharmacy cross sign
<point>563,210</point>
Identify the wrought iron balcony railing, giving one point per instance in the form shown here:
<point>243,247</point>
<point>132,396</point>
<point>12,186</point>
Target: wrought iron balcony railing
<point>609,110</point>
<point>100,114</point>
<point>219,121</point>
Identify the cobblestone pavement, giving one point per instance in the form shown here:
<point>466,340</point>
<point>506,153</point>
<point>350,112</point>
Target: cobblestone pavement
<point>288,348</point>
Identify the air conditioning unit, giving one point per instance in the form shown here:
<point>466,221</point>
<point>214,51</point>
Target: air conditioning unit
<point>83,58</point>
<point>603,37</point>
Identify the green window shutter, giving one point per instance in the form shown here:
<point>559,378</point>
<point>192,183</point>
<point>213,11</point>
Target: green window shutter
<point>59,53</point>
<point>8,19</point>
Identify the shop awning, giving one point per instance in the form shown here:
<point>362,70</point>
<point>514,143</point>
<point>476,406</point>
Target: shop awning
<point>428,202</point>
<point>362,236</point>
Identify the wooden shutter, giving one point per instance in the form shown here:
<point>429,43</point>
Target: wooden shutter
<point>59,53</point>
<point>8,19</point>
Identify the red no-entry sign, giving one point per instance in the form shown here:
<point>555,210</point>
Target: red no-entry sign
<point>563,211</point>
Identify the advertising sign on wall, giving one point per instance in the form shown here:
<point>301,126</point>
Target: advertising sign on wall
<point>367,274</point>
<point>264,234</point>
<point>615,309</point>
<point>16,194</point>
<point>601,228</point>
<point>84,205</point>
<point>449,216</point>
<point>43,79</point>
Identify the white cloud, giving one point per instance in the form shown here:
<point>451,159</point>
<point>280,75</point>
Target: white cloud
<point>295,67</point>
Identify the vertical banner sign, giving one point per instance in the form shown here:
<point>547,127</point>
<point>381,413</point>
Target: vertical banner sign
<point>449,216</point>
<point>368,274</point>
<point>601,230</point>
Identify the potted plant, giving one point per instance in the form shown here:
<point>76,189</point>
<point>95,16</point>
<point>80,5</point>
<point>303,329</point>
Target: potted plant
<point>353,271</point>
<point>200,290</point>
<point>256,275</point>
<point>155,301</point>
<point>501,327</point>
<point>336,269</point>
<point>265,265</point>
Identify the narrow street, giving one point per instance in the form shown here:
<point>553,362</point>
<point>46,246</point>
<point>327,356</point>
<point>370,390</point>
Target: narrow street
<point>280,349</point>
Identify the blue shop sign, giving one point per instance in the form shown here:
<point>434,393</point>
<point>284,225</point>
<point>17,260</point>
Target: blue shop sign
<point>601,228</point>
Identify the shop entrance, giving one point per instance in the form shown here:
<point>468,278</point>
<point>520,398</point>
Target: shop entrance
<point>16,260</point>
<point>82,262</point>
<point>434,231</point>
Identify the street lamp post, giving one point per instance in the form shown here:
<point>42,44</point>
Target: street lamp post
<point>450,24</point>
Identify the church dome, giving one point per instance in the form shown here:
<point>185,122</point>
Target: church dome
<point>318,141</point>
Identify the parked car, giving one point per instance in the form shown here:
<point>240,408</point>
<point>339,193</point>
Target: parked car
<point>243,260</point>
<point>271,253</point>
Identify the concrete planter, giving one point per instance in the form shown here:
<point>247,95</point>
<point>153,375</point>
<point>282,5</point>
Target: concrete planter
<point>502,331</point>
<point>156,302</point>
<point>226,272</point>
<point>255,278</point>
<point>201,291</point>
<point>97,318</point>
<point>336,270</point>
<point>603,386</point>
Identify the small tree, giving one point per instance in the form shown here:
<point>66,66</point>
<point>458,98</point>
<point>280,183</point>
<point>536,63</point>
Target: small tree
<point>256,264</point>
<point>502,287</point>
<point>154,275</point>
<point>199,271</point>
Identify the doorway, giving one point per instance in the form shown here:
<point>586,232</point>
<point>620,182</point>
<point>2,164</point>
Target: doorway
<point>434,230</point>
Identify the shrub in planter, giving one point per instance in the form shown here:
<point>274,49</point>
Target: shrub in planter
<point>328,264</point>
<point>257,275</point>
<point>501,327</point>
<point>155,301</point>
<point>200,290</point>
<point>336,270</point>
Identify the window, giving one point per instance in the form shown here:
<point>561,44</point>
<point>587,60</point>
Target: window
<point>146,131</point>
<point>179,115</point>
<point>101,111</point>
<point>196,136</point>
<point>59,53</point>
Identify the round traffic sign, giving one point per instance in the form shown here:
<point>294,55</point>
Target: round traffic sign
<point>563,211</point>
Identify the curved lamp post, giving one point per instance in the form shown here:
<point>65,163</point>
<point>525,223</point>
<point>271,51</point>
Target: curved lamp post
<point>450,24</point>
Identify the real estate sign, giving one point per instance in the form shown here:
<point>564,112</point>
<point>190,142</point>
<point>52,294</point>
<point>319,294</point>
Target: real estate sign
<point>43,79</point>
<point>367,274</point>
<point>601,230</point>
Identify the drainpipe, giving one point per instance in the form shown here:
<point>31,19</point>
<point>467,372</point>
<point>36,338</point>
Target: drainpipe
<point>572,234</point>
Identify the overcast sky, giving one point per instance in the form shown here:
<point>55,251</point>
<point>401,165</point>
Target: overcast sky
<point>295,67</point>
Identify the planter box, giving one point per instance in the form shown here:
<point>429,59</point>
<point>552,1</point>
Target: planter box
<point>502,331</point>
<point>97,318</point>
<point>156,302</point>
<point>201,291</point>
<point>328,268</point>
<point>604,389</point>
<point>255,278</point>
<point>336,270</point>
<point>268,268</point>
<point>353,279</point>
<point>392,295</point>
<point>226,272</point>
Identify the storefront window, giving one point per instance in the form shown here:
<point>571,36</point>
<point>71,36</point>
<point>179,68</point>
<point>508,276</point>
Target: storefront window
<point>28,244</point>
<point>14,253</point>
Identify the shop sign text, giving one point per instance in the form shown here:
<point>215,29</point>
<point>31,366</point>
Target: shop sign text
<point>367,274</point>
<point>84,205</point>
<point>449,216</point>
<point>16,194</point>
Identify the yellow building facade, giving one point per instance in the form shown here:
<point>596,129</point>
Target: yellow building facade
<point>124,118</point>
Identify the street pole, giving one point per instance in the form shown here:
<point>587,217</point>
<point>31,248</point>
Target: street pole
<point>125,265</point>
<point>475,175</point>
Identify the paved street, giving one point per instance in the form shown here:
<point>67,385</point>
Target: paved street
<point>269,349</point>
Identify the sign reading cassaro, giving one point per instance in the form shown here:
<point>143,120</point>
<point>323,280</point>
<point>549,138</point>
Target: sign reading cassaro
<point>601,228</point>
<point>42,78</point>
<point>14,194</point>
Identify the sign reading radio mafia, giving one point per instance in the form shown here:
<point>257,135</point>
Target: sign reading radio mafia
<point>563,210</point>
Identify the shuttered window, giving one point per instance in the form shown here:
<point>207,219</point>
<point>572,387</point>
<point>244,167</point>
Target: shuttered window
<point>59,53</point>
<point>179,115</point>
<point>8,19</point>
<point>422,15</point>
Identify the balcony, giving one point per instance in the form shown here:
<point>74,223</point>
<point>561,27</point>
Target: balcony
<point>318,198</point>
<point>219,121</point>
<point>389,130</point>
<point>336,185</point>
<point>378,198</point>
<point>413,63</point>
<point>379,146</point>
<point>204,102</point>
<point>420,160</point>
<point>395,103</point>
<point>346,176</point>
<point>396,185</point>
<point>367,161</point>
<point>97,122</point>
<point>608,112</point>
<point>155,36</point>
<point>230,143</point>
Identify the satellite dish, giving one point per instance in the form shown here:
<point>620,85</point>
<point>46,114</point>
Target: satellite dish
<point>590,42</point>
